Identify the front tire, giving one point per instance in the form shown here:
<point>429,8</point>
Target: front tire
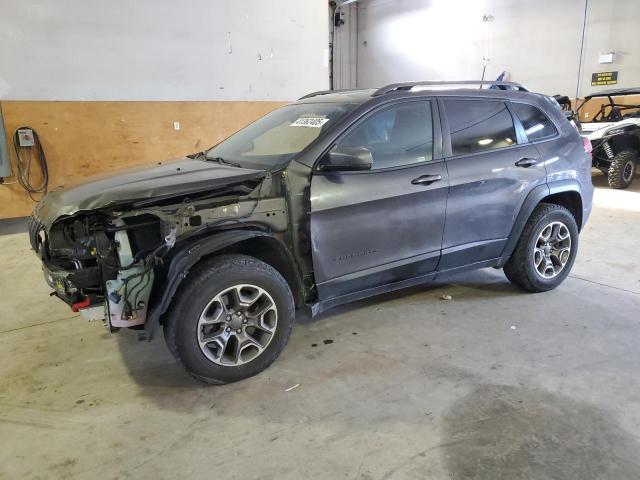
<point>231,318</point>
<point>545,251</point>
<point>622,169</point>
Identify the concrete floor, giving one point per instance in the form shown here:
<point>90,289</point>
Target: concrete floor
<point>493,384</point>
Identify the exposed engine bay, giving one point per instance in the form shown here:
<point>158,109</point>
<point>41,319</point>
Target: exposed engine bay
<point>104,263</point>
<point>97,259</point>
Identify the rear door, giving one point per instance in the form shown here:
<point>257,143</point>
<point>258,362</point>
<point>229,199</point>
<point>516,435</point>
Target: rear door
<point>371,228</point>
<point>492,168</point>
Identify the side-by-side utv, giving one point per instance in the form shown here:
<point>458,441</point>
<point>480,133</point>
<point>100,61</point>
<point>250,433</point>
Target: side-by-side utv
<point>614,132</point>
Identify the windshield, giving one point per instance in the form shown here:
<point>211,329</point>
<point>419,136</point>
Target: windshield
<point>275,138</point>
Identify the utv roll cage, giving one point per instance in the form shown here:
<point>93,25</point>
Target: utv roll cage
<point>564,101</point>
<point>612,111</point>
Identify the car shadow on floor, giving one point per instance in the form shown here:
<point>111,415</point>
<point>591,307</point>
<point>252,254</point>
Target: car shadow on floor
<point>151,365</point>
<point>163,380</point>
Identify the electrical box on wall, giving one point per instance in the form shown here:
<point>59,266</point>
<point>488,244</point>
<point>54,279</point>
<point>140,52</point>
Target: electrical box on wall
<point>25,137</point>
<point>606,58</point>
<point>5,163</point>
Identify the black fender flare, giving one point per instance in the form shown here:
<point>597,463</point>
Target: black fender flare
<point>183,258</point>
<point>534,197</point>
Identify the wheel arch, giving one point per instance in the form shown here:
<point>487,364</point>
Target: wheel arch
<point>274,252</point>
<point>186,255</point>
<point>565,193</point>
<point>569,199</point>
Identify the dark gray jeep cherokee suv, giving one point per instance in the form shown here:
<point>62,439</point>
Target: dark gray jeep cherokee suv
<point>336,197</point>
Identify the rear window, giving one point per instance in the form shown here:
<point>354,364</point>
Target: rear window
<point>479,125</point>
<point>536,124</point>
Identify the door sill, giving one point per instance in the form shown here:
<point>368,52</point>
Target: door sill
<point>323,305</point>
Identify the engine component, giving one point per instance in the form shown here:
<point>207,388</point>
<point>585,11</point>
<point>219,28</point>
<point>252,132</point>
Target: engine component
<point>127,295</point>
<point>84,303</point>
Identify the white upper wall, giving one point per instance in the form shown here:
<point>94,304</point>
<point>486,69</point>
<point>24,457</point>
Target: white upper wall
<point>536,41</point>
<point>162,49</point>
<point>612,25</point>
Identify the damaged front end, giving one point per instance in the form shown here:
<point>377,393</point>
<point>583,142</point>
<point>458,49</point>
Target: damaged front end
<point>101,261</point>
<point>110,261</point>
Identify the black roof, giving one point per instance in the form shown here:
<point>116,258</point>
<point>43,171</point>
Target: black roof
<point>614,92</point>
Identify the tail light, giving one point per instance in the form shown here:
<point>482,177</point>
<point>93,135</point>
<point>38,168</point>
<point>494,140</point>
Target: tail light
<point>586,143</point>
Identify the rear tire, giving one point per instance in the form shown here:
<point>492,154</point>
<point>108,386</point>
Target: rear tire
<point>231,318</point>
<point>622,169</point>
<point>545,251</point>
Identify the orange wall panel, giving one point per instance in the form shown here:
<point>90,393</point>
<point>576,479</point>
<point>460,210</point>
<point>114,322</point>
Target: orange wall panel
<point>84,138</point>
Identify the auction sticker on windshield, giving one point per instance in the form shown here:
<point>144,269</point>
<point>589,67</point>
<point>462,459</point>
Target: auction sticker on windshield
<point>316,122</point>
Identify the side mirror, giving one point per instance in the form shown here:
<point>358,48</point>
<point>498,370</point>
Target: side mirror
<point>347,159</point>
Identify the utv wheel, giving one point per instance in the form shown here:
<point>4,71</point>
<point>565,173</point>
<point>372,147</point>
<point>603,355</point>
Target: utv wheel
<point>545,251</point>
<point>230,320</point>
<point>622,169</point>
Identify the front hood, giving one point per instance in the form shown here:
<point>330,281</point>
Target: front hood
<point>165,180</point>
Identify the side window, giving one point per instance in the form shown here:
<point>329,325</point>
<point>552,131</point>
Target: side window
<point>399,135</point>
<point>479,125</point>
<point>536,124</point>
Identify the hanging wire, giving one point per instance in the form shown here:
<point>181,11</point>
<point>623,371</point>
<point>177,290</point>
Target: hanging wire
<point>25,157</point>
<point>584,28</point>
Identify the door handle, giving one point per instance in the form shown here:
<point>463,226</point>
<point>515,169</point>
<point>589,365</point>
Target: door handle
<point>426,179</point>
<point>526,162</point>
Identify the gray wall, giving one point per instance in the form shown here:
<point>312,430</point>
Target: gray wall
<point>537,41</point>
<point>162,49</point>
<point>612,25</point>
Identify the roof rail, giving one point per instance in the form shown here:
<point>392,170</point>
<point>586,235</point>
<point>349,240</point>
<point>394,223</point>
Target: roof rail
<point>394,87</point>
<point>324,92</point>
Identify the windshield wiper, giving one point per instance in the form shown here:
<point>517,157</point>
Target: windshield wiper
<point>198,156</point>
<point>222,161</point>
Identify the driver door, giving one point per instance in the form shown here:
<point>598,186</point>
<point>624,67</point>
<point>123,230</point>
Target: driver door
<point>384,225</point>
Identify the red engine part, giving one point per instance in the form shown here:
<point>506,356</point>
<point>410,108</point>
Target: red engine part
<point>81,304</point>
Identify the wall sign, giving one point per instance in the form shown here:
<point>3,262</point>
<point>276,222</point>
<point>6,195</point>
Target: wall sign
<point>604,78</point>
